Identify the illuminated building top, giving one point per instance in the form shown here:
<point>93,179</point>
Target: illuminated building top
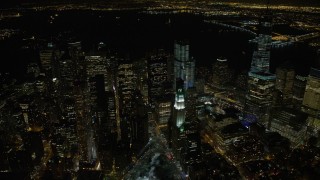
<point>179,101</point>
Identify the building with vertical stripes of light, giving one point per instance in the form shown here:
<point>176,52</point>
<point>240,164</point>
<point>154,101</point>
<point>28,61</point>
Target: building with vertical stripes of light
<point>184,65</point>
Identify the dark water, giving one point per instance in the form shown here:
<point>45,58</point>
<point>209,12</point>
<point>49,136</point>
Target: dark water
<point>132,34</point>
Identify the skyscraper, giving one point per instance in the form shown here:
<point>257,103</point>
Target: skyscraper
<point>221,73</point>
<point>311,101</point>
<point>157,74</point>
<point>259,97</point>
<point>126,85</point>
<point>184,65</point>
<point>70,122</point>
<point>179,105</point>
<point>290,123</point>
<point>261,56</point>
<point>191,103</point>
<point>191,150</point>
<point>284,82</point>
<point>96,64</point>
<point>261,82</point>
<point>49,58</point>
<point>299,86</point>
<point>77,56</point>
<point>67,74</point>
<point>164,110</point>
<point>111,111</point>
<point>140,68</point>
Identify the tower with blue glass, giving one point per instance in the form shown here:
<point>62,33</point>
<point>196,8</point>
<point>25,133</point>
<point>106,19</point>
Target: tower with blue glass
<point>261,82</point>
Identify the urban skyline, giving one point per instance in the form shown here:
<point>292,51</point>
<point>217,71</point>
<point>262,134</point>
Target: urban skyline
<point>158,90</point>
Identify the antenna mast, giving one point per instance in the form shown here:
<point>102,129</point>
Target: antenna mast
<point>268,4</point>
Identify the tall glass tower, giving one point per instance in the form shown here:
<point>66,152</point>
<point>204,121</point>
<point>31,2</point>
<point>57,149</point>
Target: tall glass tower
<point>261,56</point>
<point>261,82</point>
<point>184,66</point>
